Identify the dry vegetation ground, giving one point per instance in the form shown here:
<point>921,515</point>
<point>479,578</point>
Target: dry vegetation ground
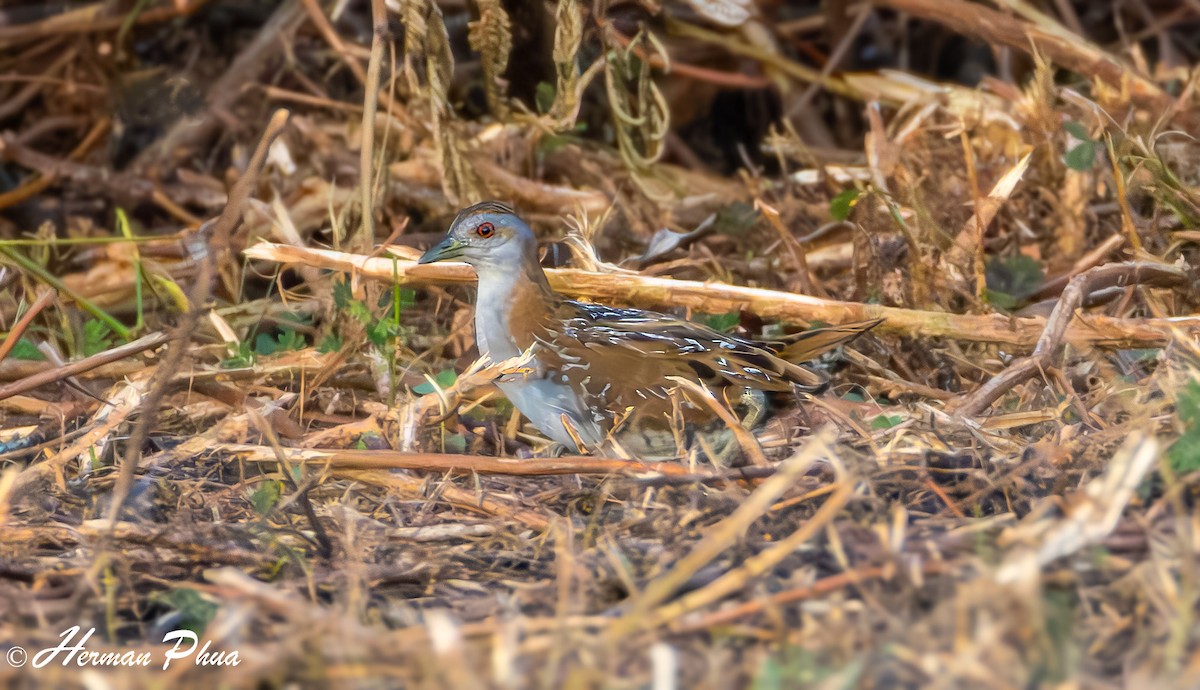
<point>231,403</point>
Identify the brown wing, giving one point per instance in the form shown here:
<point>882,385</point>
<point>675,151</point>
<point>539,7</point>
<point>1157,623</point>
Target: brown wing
<point>637,350</point>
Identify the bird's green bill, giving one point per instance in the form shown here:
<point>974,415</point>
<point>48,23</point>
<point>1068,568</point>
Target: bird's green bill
<point>448,248</point>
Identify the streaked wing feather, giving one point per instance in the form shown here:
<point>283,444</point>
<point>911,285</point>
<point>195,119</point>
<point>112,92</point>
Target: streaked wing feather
<point>671,346</point>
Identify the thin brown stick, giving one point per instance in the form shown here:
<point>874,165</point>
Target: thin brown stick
<point>1054,286</point>
<point>1054,332</point>
<point>443,462</point>
<point>733,80</point>
<point>87,364</point>
<point>454,495</point>
<point>798,255</point>
<point>835,58</point>
<point>317,16</point>
<point>977,246</point>
<point>121,185</point>
<point>300,493</point>
<point>16,103</point>
<point>1127,224</point>
<point>281,94</point>
<point>744,438</point>
<point>218,249</point>
<point>366,238</point>
<point>123,399</point>
<point>347,52</point>
<point>90,19</point>
<point>19,327</point>
<point>38,184</point>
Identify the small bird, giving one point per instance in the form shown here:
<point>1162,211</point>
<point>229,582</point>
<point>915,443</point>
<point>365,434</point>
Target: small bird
<point>600,378</point>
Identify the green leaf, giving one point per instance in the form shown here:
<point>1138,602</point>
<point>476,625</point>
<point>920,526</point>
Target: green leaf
<point>360,312</point>
<point>265,497</point>
<point>543,96</point>
<point>1001,300</point>
<point>1145,354</point>
<point>97,337</point>
<point>287,339</point>
<point>265,345</point>
<point>1011,280</point>
<point>195,612</point>
<point>342,294</point>
<point>243,357</point>
<point>408,297</point>
<point>1077,130</point>
<point>444,378</point>
<point>1082,157</point>
<point>330,343</point>
<point>455,443</point>
<point>381,333</point>
<point>841,205</point>
<point>401,298</point>
<point>735,219</point>
<point>26,350</point>
<point>290,340</point>
<point>720,322</point>
<point>769,676</point>
<point>886,421</point>
<point>1184,454</point>
<point>551,143</point>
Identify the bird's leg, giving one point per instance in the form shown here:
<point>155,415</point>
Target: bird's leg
<point>554,450</point>
<point>748,404</point>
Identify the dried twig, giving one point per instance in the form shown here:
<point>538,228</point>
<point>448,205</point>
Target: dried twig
<point>715,298</point>
<point>120,352</point>
<point>825,585</point>
<point>459,497</point>
<point>125,399</point>
<point>18,329</point>
<point>757,565</point>
<point>1055,332</point>
<point>91,19</point>
<point>379,33</point>
<point>441,462</point>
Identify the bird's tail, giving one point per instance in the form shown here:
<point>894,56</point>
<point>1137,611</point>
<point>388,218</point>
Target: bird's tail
<point>809,345</point>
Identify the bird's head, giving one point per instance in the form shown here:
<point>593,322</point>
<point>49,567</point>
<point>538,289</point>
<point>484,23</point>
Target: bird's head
<point>486,235</point>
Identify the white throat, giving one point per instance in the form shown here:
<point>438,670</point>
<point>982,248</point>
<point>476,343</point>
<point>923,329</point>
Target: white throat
<point>491,312</point>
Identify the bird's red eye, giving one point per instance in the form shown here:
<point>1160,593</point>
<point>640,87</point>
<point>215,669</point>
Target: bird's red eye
<point>485,230</point>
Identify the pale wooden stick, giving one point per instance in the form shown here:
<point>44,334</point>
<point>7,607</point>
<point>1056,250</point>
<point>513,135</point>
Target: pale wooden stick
<point>715,298</point>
